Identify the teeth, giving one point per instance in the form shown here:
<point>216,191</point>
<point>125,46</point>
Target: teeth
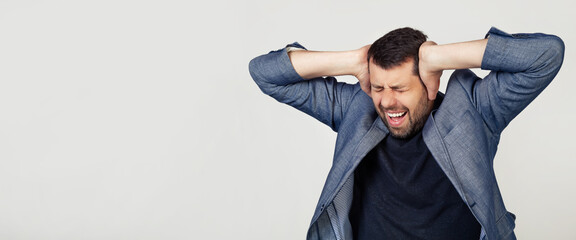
<point>396,114</point>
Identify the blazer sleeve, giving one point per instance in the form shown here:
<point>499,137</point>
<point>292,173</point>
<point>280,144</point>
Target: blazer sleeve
<point>322,98</point>
<point>521,65</point>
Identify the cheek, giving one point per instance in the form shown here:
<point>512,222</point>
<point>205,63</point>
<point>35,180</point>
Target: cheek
<point>405,102</point>
<point>376,100</point>
<point>414,104</point>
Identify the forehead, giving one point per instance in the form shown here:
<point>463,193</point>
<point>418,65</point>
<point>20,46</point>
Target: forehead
<point>398,75</point>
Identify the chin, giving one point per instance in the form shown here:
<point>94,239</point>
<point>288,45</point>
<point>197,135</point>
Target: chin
<point>402,135</point>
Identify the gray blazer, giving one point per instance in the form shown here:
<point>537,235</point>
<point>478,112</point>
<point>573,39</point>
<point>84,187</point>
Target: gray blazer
<point>462,134</point>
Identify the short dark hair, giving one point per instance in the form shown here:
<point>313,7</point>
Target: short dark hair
<point>397,47</point>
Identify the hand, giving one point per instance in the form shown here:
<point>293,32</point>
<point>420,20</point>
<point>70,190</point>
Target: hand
<point>429,75</point>
<point>362,73</point>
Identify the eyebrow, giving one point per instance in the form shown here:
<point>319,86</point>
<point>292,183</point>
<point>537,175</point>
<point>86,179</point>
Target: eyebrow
<point>396,87</point>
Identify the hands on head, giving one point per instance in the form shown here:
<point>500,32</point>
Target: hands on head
<point>429,75</point>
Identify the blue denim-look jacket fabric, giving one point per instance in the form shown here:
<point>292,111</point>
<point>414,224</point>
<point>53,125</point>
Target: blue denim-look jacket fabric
<point>462,134</point>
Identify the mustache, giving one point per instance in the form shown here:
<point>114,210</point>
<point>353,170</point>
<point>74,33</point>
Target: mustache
<point>395,109</point>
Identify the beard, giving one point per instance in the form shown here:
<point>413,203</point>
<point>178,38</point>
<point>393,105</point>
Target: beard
<point>416,119</point>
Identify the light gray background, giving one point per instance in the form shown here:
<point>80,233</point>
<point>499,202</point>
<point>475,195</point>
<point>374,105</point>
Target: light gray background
<point>125,119</point>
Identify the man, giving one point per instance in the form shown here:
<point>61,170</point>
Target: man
<point>409,162</point>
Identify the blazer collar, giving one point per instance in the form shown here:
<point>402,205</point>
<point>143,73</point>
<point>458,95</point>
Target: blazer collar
<point>434,140</point>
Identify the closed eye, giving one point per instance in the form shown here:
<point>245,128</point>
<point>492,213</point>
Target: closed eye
<point>400,90</point>
<point>377,88</point>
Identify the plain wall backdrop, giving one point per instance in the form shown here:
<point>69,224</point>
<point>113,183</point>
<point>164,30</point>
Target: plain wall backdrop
<point>125,119</point>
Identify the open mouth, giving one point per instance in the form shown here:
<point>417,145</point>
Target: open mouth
<point>396,115</point>
<point>395,119</point>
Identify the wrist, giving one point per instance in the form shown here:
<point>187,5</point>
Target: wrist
<point>360,58</point>
<point>427,55</point>
<point>348,62</point>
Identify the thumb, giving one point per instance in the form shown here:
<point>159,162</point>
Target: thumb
<point>432,83</point>
<point>432,92</point>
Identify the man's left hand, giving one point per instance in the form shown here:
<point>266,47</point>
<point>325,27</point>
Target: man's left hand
<point>430,76</point>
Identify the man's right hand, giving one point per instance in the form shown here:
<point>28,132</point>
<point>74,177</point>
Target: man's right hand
<point>312,64</point>
<point>362,74</point>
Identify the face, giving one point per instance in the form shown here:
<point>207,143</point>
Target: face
<point>400,98</point>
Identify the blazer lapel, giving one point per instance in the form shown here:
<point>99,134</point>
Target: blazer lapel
<point>435,143</point>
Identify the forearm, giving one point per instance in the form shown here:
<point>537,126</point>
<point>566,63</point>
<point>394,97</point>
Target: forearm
<point>521,66</point>
<point>453,56</point>
<point>312,64</point>
<point>275,75</point>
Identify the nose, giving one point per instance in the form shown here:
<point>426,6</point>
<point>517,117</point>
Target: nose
<point>388,99</point>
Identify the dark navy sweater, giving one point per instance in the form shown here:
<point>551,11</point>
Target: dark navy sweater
<point>400,192</point>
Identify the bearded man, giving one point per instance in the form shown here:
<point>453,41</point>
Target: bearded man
<point>410,162</point>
